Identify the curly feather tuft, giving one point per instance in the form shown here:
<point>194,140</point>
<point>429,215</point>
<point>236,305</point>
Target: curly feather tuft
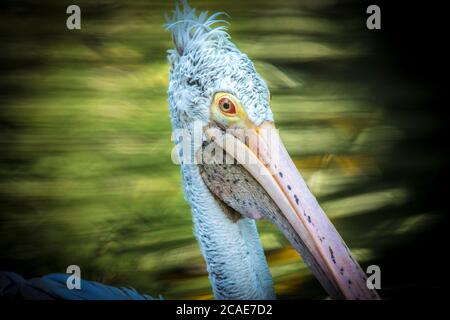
<point>190,30</point>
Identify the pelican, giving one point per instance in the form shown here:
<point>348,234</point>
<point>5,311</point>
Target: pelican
<point>214,91</point>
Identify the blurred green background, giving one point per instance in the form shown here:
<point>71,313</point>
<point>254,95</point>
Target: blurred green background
<point>85,170</point>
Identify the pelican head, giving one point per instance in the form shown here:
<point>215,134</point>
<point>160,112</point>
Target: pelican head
<point>216,86</point>
<point>205,62</point>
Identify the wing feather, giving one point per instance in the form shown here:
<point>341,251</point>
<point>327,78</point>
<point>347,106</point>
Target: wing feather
<point>54,287</point>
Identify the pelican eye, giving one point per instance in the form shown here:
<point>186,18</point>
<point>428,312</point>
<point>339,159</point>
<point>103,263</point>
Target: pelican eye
<point>227,106</point>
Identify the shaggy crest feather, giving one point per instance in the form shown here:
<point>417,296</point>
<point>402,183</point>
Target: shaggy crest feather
<point>189,30</point>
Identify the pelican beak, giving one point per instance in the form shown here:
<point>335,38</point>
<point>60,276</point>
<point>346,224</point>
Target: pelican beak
<point>297,213</point>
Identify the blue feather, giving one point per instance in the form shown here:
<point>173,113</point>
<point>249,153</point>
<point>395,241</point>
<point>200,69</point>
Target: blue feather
<point>53,286</point>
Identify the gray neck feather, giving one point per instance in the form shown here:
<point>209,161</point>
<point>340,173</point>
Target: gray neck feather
<point>233,252</point>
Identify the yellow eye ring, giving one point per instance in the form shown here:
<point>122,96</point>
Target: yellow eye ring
<point>227,110</point>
